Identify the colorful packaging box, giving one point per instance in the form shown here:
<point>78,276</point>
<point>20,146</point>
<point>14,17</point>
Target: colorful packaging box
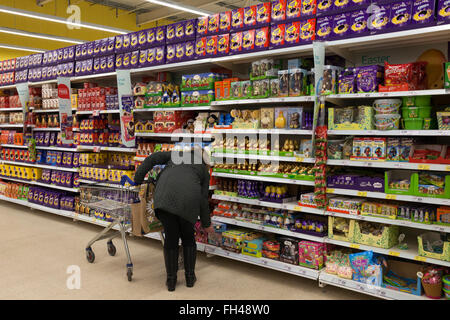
<point>262,38</point>
<point>422,12</point>
<point>278,11</point>
<point>381,18</point>
<point>213,24</point>
<point>236,43</point>
<point>308,9</point>
<point>223,44</point>
<point>324,26</point>
<point>277,36</point>
<point>308,31</point>
<point>263,14</point>
<point>358,23</point>
<point>211,46</point>
<point>292,33</point>
<point>200,48</point>
<point>341,26</point>
<point>401,14</point>
<point>311,254</point>
<point>250,17</point>
<point>225,21</point>
<point>443,11</point>
<point>248,40</point>
<point>237,19</point>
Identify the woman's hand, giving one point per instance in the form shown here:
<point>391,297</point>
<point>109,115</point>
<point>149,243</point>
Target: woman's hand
<point>210,229</point>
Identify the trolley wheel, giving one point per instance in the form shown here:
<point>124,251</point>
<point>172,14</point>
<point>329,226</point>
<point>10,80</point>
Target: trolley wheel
<point>130,274</point>
<point>90,256</point>
<point>111,249</point>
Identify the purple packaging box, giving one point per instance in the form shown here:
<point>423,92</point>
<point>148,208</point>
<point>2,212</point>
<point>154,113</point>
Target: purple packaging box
<point>96,66</point>
<point>59,70</point>
<point>78,49</point>
<point>325,7</point>
<point>160,35</point>
<point>237,19</point>
<point>200,48</point>
<point>119,44</point>
<point>380,19</point>
<point>180,31</point>
<point>119,61</point>
<point>341,26</point>
<point>103,64</point>
<point>213,24</point>
<point>360,3</point>
<point>225,21</point>
<point>142,39</point>
<point>323,27</point>
<point>48,72</point>
<point>189,50</point>
<point>84,48</point>
<point>262,38</point>
<point>150,37</point>
<point>134,62</point>
<point>65,54</point>
<point>278,13</point>
<point>422,12</point>
<point>277,35</point>
<point>180,52</point>
<point>170,53</point>
<point>151,57</point>
<point>126,60</point>
<point>248,40</point>
<point>110,63</point>
<point>170,33</point>
<point>293,9</point>
<point>54,59</point>
<point>97,47</point>
<point>134,43</point>
<point>292,33</point>
<point>443,11</point>
<point>89,66</point>
<point>368,78</point>
<point>70,68</point>
<point>111,45</point>
<point>190,30</point>
<point>143,58</point>
<point>160,55</point>
<point>342,5</point>
<point>347,81</point>
<point>358,23</point>
<point>401,14</point>
<point>250,17</point>
<point>126,42</point>
<point>90,49</point>
<point>104,46</point>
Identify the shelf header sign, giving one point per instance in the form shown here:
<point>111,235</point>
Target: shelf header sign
<point>125,105</point>
<point>65,110</point>
<point>24,96</point>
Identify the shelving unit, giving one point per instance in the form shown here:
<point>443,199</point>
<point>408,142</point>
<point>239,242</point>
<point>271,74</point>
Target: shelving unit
<point>37,183</point>
<point>346,48</point>
<point>37,165</point>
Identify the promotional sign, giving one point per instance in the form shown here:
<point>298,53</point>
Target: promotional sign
<point>125,105</point>
<point>24,96</point>
<point>65,110</point>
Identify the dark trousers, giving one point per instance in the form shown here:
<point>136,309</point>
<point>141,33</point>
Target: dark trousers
<point>175,228</point>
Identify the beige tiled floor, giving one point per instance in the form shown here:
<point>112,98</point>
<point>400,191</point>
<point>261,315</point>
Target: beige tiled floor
<point>36,248</point>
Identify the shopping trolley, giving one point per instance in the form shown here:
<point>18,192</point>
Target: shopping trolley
<point>112,205</point>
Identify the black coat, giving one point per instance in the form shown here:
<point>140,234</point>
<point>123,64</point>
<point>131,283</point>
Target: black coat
<point>182,188</point>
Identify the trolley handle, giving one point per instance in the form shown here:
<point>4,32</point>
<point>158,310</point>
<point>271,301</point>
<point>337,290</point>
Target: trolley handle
<point>126,179</point>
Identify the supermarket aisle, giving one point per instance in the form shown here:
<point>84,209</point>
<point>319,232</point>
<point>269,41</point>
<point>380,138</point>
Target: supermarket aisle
<point>38,247</point>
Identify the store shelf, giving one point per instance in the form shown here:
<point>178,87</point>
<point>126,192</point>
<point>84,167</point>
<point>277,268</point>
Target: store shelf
<point>390,165</point>
<point>94,76</point>
<point>196,108</point>
<point>95,112</point>
<point>46,111</point>
<point>174,135</point>
<point>40,83</point>
<point>383,293</point>
<point>10,109</point>
<point>101,184</point>
<point>262,131</point>
<point>381,195</point>
<point>11,86</point>
<point>429,133</point>
<point>54,148</point>
<point>98,149</point>
<point>293,206</point>
<point>25,203</point>
<point>36,183</point>
<point>46,129</point>
<point>398,39</point>
<point>36,165</point>
<point>403,223</point>
<point>268,229</point>
<point>262,101</point>
<point>9,125</point>
<point>263,262</point>
<point>411,253</point>
<point>435,92</point>
<point>261,157</point>
<point>263,178</point>
<point>14,146</point>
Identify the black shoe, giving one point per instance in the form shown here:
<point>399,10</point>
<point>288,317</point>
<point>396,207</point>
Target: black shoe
<point>171,260</point>
<point>190,255</point>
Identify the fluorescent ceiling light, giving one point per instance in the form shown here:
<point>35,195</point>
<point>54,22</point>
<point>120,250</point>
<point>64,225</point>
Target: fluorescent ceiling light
<point>181,7</point>
<point>45,17</point>
<point>39,35</point>
<point>9,46</point>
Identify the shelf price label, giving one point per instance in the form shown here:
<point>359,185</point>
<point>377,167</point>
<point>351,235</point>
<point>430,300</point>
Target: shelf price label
<point>362,194</point>
<point>297,208</point>
<point>424,167</point>
<point>447,168</point>
<point>420,258</point>
<point>96,113</point>
<point>394,253</point>
<point>299,159</point>
<point>391,196</point>
<point>97,149</point>
<point>354,246</point>
<point>330,190</point>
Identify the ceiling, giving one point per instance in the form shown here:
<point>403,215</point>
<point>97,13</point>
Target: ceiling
<point>147,12</point>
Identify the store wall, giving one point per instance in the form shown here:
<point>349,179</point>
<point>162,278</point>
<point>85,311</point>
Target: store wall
<point>89,13</point>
